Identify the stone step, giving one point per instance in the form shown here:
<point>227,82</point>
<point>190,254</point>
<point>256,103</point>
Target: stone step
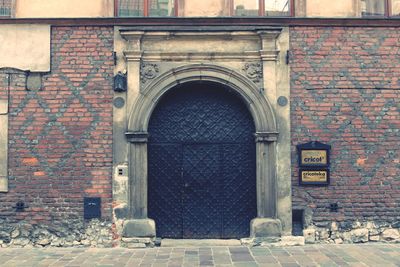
<point>199,242</point>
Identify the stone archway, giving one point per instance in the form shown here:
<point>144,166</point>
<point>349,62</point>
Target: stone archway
<point>201,163</point>
<point>266,224</point>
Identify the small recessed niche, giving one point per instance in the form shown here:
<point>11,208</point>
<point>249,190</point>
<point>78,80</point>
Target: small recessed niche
<point>91,207</point>
<point>297,222</point>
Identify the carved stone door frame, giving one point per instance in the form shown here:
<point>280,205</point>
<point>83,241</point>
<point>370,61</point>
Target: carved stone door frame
<point>151,74</point>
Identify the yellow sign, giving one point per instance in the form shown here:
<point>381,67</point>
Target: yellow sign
<point>314,176</point>
<point>314,157</point>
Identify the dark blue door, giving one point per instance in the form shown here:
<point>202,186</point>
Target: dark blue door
<point>202,180</point>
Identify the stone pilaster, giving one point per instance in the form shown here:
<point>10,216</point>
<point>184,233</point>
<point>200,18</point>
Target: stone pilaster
<point>138,225</point>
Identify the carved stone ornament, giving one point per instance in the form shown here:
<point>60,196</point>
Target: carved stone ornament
<point>148,71</point>
<point>253,71</point>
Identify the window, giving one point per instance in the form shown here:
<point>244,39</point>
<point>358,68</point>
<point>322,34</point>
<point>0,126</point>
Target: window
<point>380,8</point>
<point>250,8</point>
<point>395,7</point>
<point>246,7</point>
<point>165,8</point>
<point>161,8</point>
<point>140,8</point>
<point>277,8</point>
<point>346,8</point>
<point>272,8</point>
<point>370,8</point>
<point>5,8</point>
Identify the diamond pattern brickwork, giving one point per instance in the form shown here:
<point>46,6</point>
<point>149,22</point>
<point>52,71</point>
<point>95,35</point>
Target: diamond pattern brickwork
<point>60,137</point>
<point>345,91</point>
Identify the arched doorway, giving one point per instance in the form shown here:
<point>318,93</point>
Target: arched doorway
<point>201,163</point>
<point>271,206</point>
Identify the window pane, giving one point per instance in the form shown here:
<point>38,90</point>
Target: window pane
<point>161,8</point>
<point>372,8</point>
<point>395,7</point>
<point>5,7</point>
<point>246,7</point>
<point>130,8</point>
<point>277,7</point>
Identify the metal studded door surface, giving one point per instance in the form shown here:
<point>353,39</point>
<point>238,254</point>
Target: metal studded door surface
<point>202,180</point>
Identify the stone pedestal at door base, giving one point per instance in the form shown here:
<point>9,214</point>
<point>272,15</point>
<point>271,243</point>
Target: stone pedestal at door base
<point>265,228</point>
<point>139,228</point>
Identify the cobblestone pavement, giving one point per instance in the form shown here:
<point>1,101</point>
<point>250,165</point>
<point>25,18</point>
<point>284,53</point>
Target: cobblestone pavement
<point>310,255</point>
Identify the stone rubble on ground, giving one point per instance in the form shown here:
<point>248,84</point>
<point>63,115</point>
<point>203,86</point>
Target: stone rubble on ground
<point>95,233</point>
<point>356,232</point>
<point>75,233</point>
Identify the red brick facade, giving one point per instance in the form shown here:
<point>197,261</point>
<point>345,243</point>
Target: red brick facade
<point>60,137</point>
<point>345,91</point>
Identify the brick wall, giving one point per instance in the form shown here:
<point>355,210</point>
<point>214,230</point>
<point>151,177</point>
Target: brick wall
<point>3,86</point>
<point>60,137</point>
<point>345,91</point>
